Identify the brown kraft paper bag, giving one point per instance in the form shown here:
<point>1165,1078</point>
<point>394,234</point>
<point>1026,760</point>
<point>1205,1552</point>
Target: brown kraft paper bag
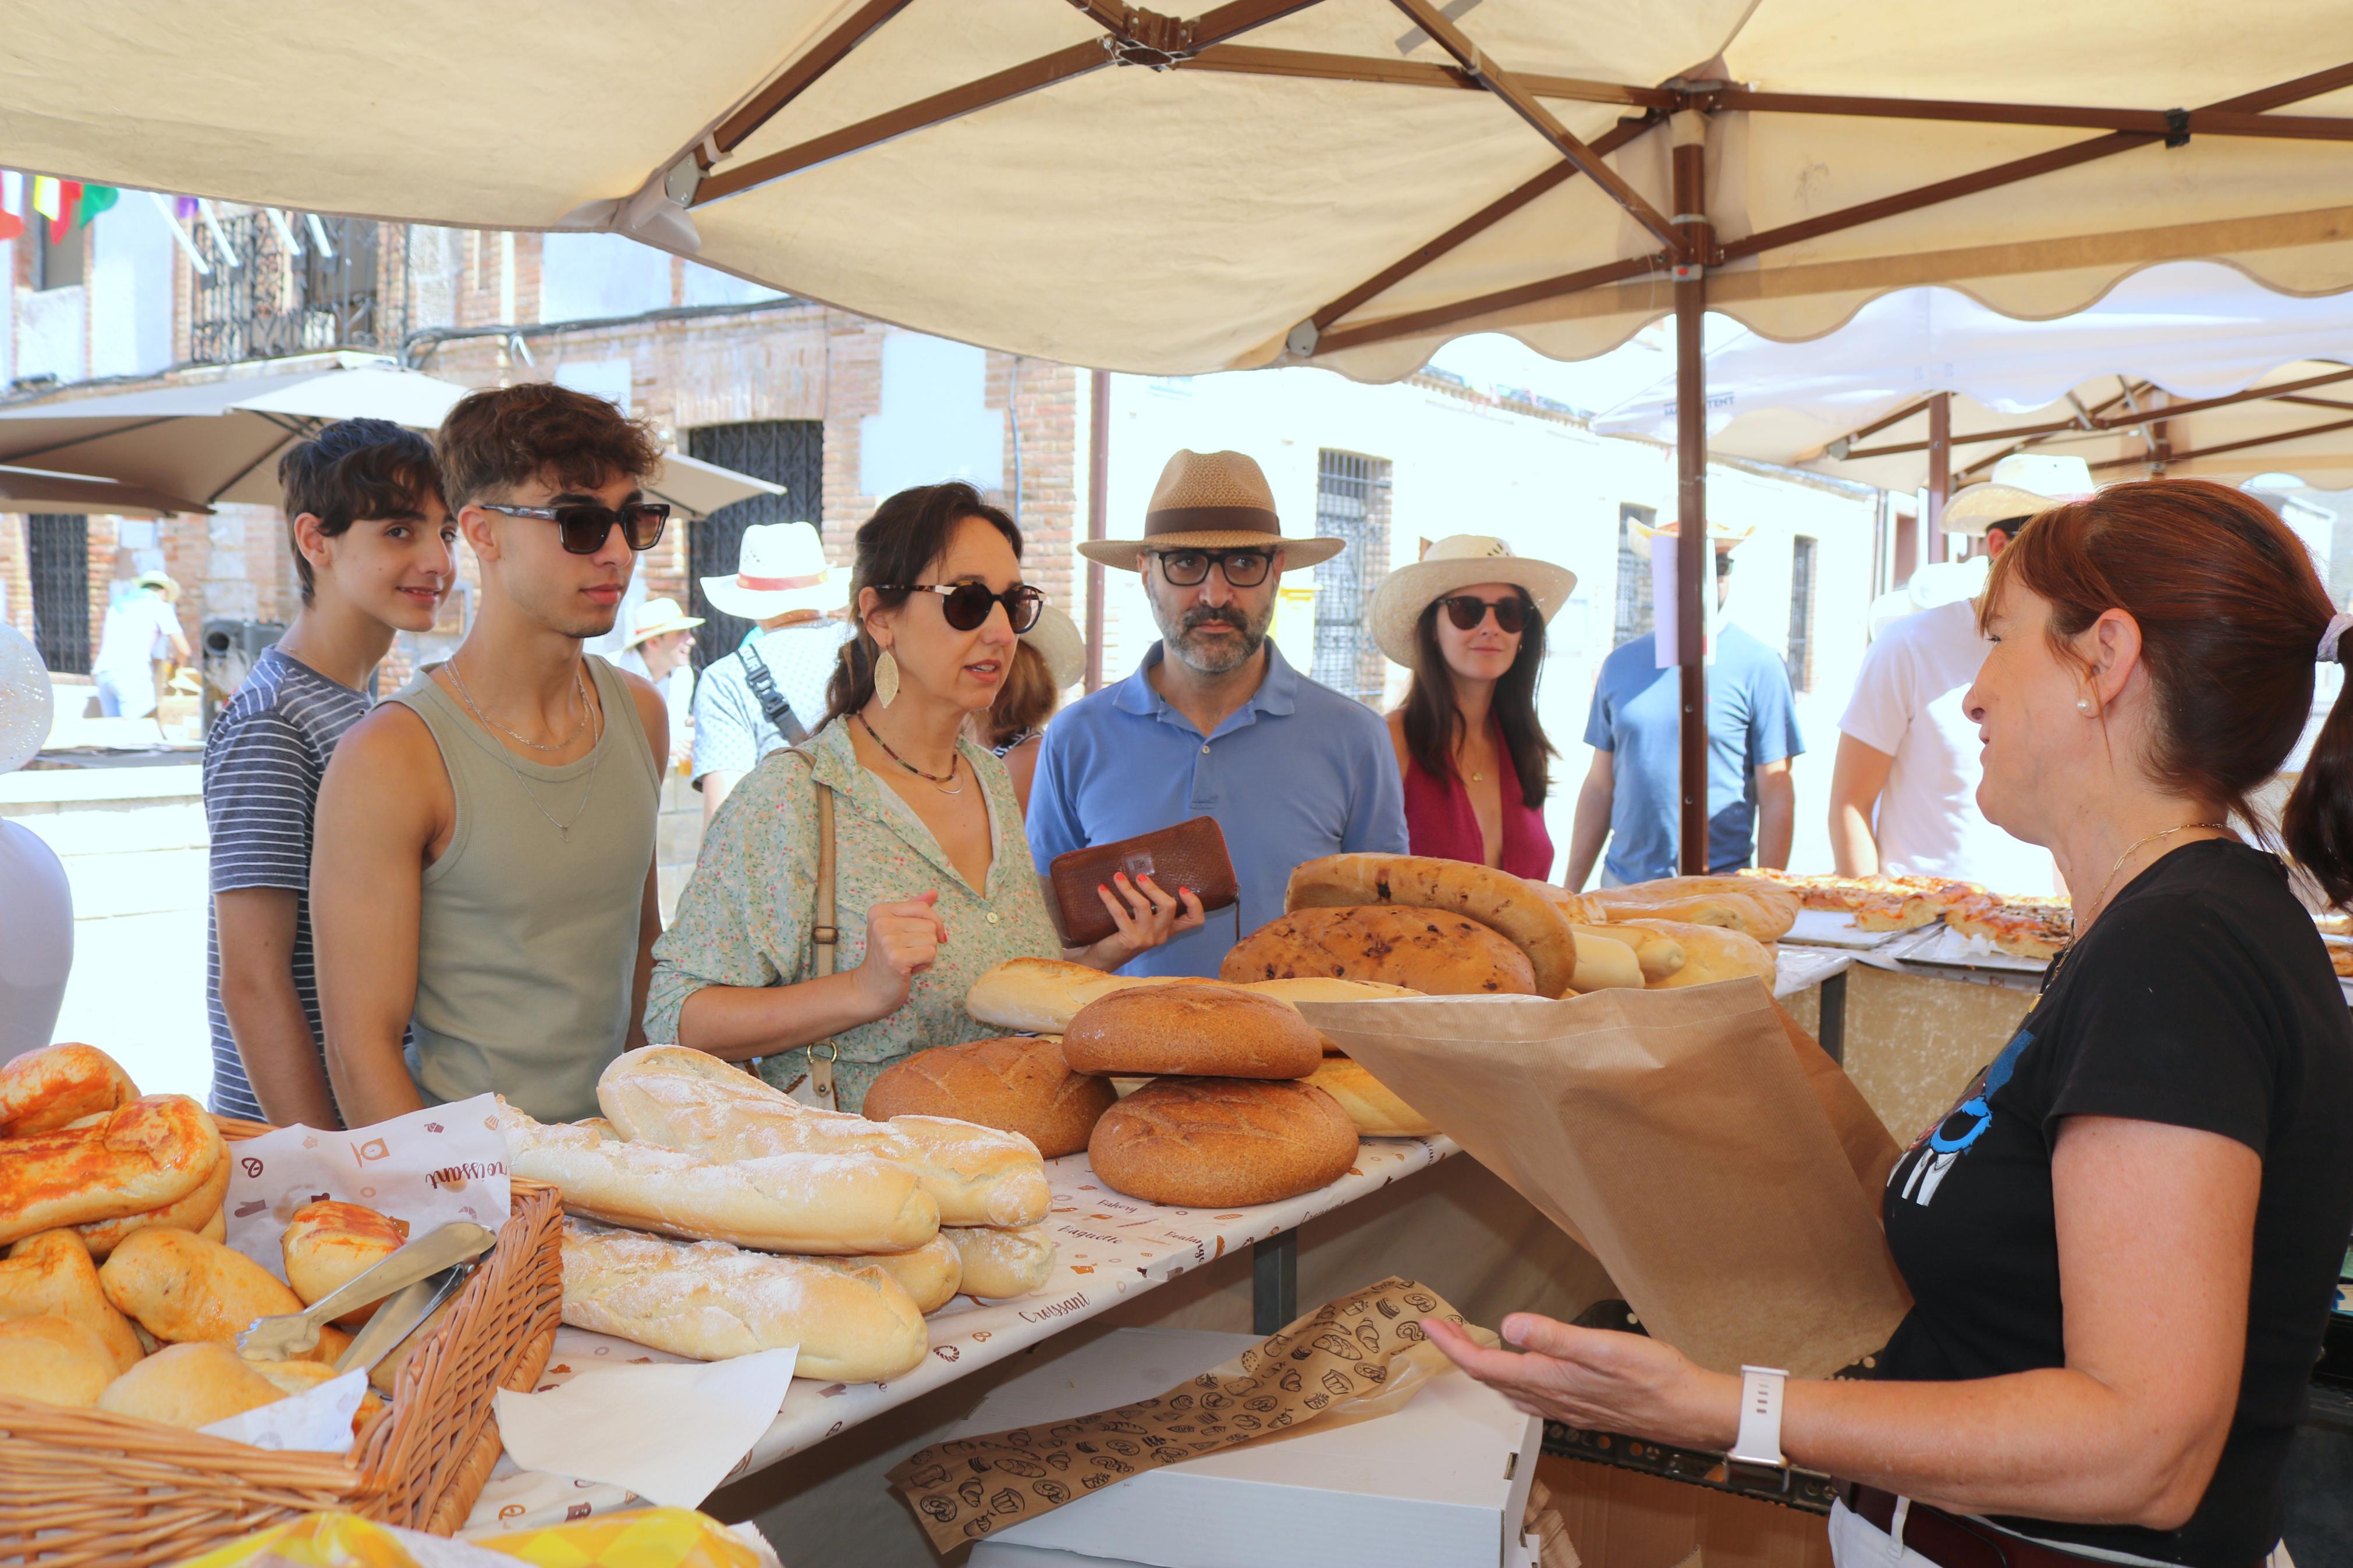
<point>1685,1138</point>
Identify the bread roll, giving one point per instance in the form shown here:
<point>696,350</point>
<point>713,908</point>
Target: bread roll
<point>189,1385</point>
<point>1222,1143</point>
<point>712,1301</point>
<point>144,1155</point>
<point>931,1275</point>
<point>1712,953</point>
<point>1607,965</point>
<point>43,1090</point>
<point>55,1361</point>
<point>1657,954</point>
<point>1040,995</point>
<point>216,1227</point>
<point>1376,1111</point>
<point>200,1207</point>
<point>1022,1084</point>
<point>832,1204</point>
<point>292,1377</point>
<point>1496,899</point>
<point>695,1103</point>
<point>1202,1031</point>
<point>181,1286</point>
<point>51,1275</point>
<point>1438,955</point>
<point>1000,1264</point>
<point>327,1245</point>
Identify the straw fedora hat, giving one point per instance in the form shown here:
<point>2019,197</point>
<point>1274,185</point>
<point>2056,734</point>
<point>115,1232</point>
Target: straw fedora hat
<point>656,616</point>
<point>163,580</point>
<point>1056,637</point>
<point>2021,486</point>
<point>1453,563</point>
<point>1210,501</point>
<point>780,567</point>
<point>1720,533</point>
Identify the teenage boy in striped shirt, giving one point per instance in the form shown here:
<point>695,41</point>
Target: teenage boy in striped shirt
<point>375,549</point>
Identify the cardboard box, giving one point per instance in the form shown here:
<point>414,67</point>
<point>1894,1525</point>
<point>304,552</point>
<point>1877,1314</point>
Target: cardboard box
<point>1624,1519</point>
<point>1442,1483</point>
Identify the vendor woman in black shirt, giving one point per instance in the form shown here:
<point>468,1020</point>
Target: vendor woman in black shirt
<point>2123,1242</point>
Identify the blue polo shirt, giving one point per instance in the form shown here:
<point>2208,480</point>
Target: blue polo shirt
<point>1297,771</point>
<point>1637,716</point>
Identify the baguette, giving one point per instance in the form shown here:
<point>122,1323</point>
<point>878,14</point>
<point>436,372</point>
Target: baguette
<point>693,1102</point>
<point>1533,924</point>
<point>181,1287</point>
<point>51,1275</point>
<point>54,1360</point>
<point>1712,953</point>
<point>1762,909</point>
<point>1658,955</point>
<point>1040,995</point>
<point>1371,1104</point>
<point>931,1275</point>
<point>144,1155</point>
<point>1000,1264</point>
<point>202,1204</point>
<point>833,1203</point>
<point>712,1301</point>
<point>1577,908</point>
<point>44,1091</point>
<point>1606,965</point>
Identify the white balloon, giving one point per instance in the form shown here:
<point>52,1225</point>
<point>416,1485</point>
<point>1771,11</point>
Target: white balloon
<point>26,701</point>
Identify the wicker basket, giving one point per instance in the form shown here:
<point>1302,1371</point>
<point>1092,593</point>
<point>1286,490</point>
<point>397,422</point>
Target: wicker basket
<point>83,1488</point>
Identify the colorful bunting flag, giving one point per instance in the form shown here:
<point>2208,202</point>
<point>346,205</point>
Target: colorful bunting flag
<point>96,199</point>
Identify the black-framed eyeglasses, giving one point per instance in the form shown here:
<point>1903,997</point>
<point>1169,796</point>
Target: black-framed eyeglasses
<point>1467,610</point>
<point>966,605</point>
<point>585,525</point>
<point>1190,568</point>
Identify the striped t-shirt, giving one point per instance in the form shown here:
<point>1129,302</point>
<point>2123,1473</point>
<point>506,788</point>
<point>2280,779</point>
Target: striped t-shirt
<point>263,761</point>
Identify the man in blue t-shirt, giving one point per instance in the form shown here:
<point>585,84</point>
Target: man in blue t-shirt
<point>1632,796</point>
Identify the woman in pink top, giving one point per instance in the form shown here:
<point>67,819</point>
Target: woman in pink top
<point>1468,619</point>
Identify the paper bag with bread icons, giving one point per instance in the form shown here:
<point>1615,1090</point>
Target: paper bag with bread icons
<point>1353,1359</point>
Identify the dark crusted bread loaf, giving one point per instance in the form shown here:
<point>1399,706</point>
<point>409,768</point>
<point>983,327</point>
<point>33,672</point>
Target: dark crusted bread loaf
<point>1201,1031</point>
<point>1015,1085</point>
<point>1442,954</point>
<point>1222,1143</point>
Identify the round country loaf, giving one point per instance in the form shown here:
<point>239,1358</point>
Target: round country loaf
<point>1433,952</point>
<point>1201,1031</point>
<point>1496,899</point>
<point>1222,1143</point>
<point>1020,1085</point>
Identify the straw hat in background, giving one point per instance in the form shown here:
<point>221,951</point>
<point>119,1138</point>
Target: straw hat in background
<point>159,580</point>
<point>2020,485</point>
<point>1210,501</point>
<point>656,616</point>
<point>1722,534</point>
<point>780,567</point>
<point>1456,562</point>
<point>1056,637</point>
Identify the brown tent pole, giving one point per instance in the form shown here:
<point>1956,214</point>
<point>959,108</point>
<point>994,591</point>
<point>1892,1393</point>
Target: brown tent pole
<point>1693,580</point>
<point>1098,517</point>
<point>1940,469</point>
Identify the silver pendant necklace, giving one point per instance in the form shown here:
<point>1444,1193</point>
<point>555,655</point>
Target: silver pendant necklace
<point>580,693</point>
<point>596,755</point>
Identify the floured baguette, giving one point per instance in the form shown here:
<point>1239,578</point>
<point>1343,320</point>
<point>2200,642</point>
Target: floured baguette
<point>144,1155</point>
<point>931,1275</point>
<point>1040,995</point>
<point>998,1264</point>
<point>1531,921</point>
<point>714,1301</point>
<point>695,1103</point>
<point>834,1204</point>
<point>1712,953</point>
<point>1658,955</point>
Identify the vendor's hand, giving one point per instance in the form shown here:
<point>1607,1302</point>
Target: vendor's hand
<point>902,939</point>
<point>1146,916</point>
<point>1600,1380</point>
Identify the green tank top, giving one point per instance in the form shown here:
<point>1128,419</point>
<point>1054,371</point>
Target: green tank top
<point>527,948</point>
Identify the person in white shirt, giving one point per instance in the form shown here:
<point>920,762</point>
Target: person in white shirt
<point>660,641</point>
<point>141,628</point>
<point>1903,787</point>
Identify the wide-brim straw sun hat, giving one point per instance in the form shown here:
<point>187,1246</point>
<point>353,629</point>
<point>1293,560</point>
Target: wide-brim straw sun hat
<point>781,567</point>
<point>163,580</point>
<point>1456,562</point>
<point>1056,637</point>
<point>2021,486</point>
<point>656,616</point>
<point>1211,500</point>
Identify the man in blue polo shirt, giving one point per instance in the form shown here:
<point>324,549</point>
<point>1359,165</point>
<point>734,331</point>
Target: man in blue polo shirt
<point>1215,722</point>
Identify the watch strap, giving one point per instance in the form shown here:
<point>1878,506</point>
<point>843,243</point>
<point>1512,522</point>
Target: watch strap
<point>1760,1441</point>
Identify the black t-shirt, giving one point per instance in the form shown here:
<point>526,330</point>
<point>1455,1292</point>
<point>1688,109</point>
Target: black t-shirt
<point>2202,997</point>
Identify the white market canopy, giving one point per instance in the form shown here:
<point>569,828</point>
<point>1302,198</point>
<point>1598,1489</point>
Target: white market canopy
<point>2190,369</point>
<point>1361,178</point>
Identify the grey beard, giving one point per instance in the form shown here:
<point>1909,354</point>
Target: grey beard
<point>1177,633</point>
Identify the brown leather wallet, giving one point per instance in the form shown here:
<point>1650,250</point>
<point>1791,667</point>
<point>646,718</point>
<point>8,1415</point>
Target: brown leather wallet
<point>1190,855</point>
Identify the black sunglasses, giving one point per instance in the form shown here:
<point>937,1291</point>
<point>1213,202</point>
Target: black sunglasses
<point>1190,568</point>
<point>966,605</point>
<point>1467,610</point>
<point>587,525</point>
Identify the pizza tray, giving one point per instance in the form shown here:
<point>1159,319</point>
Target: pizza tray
<point>1836,928</point>
<point>1944,948</point>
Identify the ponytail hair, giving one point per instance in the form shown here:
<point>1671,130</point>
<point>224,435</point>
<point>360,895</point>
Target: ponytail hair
<point>2231,612</point>
<point>896,547</point>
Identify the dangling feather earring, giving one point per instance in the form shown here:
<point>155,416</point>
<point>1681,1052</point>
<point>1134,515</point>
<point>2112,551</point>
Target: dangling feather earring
<point>886,679</point>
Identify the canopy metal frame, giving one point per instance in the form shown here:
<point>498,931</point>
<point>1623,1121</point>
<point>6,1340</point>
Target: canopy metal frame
<point>1688,245</point>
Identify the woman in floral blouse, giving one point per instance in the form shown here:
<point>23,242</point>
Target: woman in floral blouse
<point>928,841</point>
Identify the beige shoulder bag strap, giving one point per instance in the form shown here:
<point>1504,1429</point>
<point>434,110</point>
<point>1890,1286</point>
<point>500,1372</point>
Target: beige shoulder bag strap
<point>825,936</point>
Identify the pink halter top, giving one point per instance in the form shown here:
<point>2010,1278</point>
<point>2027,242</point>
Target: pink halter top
<point>1440,822</point>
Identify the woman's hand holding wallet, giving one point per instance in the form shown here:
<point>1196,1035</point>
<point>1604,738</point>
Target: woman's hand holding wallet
<point>903,938</point>
<point>1146,917</point>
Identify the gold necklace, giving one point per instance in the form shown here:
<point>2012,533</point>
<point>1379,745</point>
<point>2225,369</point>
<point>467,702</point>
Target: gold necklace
<point>2099,901</point>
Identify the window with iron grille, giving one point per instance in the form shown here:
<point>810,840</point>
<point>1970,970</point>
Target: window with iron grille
<point>1801,612</point>
<point>340,287</point>
<point>789,452</point>
<point>1352,502</point>
<point>1635,615</point>
<point>59,549</point>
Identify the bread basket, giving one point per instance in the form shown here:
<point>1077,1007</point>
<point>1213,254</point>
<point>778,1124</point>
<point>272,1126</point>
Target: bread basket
<point>84,1488</point>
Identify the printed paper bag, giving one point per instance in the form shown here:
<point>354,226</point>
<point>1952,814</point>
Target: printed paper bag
<point>1676,1136</point>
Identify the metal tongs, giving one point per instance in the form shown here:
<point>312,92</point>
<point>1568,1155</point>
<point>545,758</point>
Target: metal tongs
<point>410,1284</point>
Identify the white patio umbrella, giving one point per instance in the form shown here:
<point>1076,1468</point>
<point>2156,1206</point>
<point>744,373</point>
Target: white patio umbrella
<point>220,441</point>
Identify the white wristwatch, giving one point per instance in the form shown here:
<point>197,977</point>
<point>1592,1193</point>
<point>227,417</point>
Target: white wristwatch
<point>1759,1442</point>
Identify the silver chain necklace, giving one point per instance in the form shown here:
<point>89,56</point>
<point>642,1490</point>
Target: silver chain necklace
<point>580,692</point>
<point>596,755</point>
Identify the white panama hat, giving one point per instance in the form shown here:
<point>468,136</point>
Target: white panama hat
<point>780,567</point>
<point>656,616</point>
<point>1456,562</point>
<point>2020,485</point>
<point>1056,637</point>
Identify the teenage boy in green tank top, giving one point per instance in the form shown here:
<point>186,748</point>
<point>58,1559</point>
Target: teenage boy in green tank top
<point>483,876</point>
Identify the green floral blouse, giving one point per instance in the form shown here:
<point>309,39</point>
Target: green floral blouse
<point>745,915</point>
